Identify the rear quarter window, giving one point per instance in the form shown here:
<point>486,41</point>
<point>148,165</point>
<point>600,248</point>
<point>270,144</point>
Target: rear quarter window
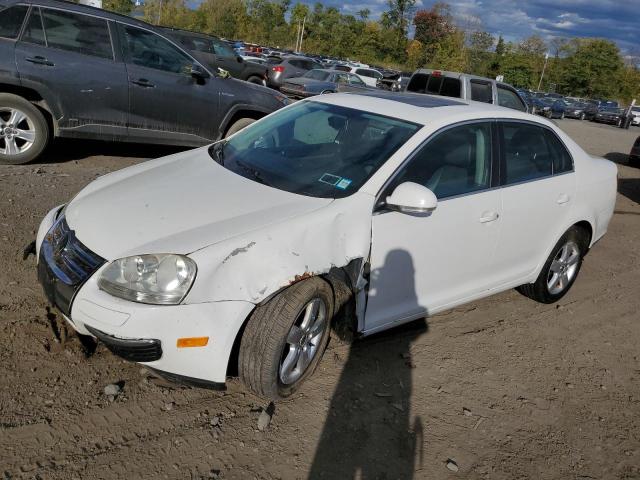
<point>481,91</point>
<point>11,21</point>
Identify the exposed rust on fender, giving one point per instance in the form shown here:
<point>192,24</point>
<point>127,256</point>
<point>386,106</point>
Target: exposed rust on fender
<point>298,278</point>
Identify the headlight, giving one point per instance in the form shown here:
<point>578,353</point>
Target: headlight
<point>162,279</point>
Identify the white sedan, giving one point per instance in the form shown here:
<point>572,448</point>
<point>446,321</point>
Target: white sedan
<point>372,209</point>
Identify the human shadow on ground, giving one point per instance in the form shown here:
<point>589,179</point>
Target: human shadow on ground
<point>369,432</point>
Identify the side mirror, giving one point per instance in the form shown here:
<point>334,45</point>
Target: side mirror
<point>413,199</point>
<point>198,72</point>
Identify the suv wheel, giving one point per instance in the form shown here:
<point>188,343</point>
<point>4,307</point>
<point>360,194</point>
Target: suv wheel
<point>24,132</point>
<point>257,80</point>
<point>238,125</point>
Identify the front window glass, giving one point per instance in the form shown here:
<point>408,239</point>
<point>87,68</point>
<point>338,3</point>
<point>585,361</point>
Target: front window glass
<point>149,50</point>
<point>456,162</point>
<point>314,149</point>
<point>509,98</point>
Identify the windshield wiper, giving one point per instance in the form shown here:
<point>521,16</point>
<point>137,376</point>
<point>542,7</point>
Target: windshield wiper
<point>253,172</point>
<point>217,151</point>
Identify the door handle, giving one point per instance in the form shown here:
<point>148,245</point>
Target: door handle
<point>563,198</point>
<point>143,82</point>
<point>489,217</point>
<point>39,60</point>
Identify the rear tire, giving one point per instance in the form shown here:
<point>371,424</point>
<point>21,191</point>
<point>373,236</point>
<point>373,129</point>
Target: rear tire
<point>582,116</point>
<point>276,332</point>
<point>257,80</point>
<point>238,125</point>
<point>24,132</point>
<point>560,270</point>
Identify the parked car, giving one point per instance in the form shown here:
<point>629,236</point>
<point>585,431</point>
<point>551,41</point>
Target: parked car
<point>394,81</point>
<point>61,76</point>
<point>576,110</point>
<point>634,155</point>
<point>635,111</point>
<point>610,115</point>
<point>217,53</point>
<point>319,81</point>
<point>341,208</point>
<point>465,86</point>
<point>289,67</point>
<point>552,107</point>
<point>370,76</point>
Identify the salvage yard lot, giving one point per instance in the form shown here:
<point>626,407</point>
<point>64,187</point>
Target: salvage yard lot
<point>502,388</point>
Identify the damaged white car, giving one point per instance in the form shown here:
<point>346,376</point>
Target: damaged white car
<point>369,209</point>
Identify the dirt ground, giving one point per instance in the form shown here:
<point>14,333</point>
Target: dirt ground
<point>503,388</point>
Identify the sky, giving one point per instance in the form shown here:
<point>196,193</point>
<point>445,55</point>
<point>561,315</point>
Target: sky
<point>616,20</point>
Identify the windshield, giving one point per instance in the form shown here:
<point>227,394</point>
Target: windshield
<point>317,75</point>
<point>314,149</point>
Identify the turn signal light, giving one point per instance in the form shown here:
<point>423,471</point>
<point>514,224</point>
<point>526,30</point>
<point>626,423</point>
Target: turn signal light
<point>278,68</point>
<point>188,342</point>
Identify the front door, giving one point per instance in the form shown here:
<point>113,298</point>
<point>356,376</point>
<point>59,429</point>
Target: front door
<point>165,102</point>
<point>71,56</point>
<point>420,264</point>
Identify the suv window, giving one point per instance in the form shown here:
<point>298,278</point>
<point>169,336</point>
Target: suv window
<point>149,50</point>
<point>224,50</point>
<point>450,87</point>
<point>297,63</point>
<point>510,99</point>
<point>33,31</point>
<point>481,91</point>
<point>11,20</point>
<point>355,80</point>
<point>455,162</point>
<point>531,152</point>
<point>77,33</point>
<point>418,83</point>
<point>365,73</point>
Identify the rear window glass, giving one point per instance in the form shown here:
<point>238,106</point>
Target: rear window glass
<point>33,32</point>
<point>481,92</point>
<point>11,20</point>
<point>77,33</point>
<point>450,87</point>
<point>418,83</point>
<point>435,85</point>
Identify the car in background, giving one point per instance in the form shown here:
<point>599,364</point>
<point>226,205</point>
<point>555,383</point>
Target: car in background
<point>69,70</point>
<point>217,53</point>
<point>611,115</point>
<point>342,209</point>
<point>394,81</point>
<point>258,60</point>
<point>552,107</point>
<point>465,86</point>
<point>635,111</point>
<point>576,110</point>
<point>289,67</point>
<point>320,81</point>
<point>634,155</point>
<point>370,76</point>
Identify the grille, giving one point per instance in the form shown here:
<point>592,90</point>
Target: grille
<point>71,262</point>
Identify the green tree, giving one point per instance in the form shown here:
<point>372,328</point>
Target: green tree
<point>594,70</point>
<point>124,7</point>
<point>480,56</point>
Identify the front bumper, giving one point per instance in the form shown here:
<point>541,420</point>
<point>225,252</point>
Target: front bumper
<point>148,334</point>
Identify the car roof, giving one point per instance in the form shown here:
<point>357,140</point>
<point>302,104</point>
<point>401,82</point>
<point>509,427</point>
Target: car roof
<point>76,7</point>
<point>445,73</point>
<point>418,108</point>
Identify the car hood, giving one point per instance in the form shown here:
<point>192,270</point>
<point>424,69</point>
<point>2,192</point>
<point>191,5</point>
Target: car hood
<point>176,204</point>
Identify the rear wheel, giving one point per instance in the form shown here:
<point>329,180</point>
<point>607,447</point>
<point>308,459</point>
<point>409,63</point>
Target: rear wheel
<point>238,125</point>
<point>582,116</point>
<point>285,339</point>
<point>560,270</point>
<point>619,122</point>
<point>562,116</point>
<point>24,132</point>
<point>257,80</point>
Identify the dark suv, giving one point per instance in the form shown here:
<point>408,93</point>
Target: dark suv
<point>217,53</point>
<point>69,70</point>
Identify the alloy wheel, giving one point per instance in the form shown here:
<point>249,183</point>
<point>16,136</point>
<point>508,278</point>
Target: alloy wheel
<point>17,131</point>
<point>302,341</point>
<point>563,268</point>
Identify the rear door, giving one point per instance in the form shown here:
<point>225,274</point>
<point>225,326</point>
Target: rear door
<point>537,196</point>
<point>11,20</point>
<point>70,55</point>
<point>166,103</point>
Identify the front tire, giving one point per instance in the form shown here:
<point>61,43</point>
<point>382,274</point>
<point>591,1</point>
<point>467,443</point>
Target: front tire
<point>238,125</point>
<point>285,338</point>
<point>24,132</point>
<point>560,270</point>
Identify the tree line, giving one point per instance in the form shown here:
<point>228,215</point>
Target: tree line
<point>408,38</point>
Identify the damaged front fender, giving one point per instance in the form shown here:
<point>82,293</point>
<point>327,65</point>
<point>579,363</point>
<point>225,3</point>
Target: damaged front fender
<point>254,266</point>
